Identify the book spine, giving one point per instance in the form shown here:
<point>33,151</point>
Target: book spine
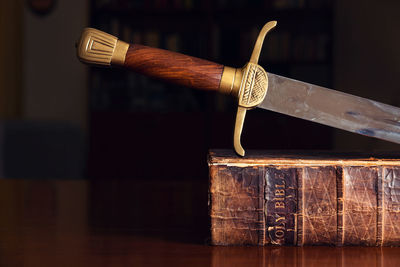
<point>317,206</point>
<point>281,206</point>
<point>237,206</point>
<point>310,205</point>
<point>360,206</point>
<point>390,206</point>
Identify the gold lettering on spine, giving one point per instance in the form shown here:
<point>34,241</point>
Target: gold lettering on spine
<point>280,206</point>
<point>279,195</point>
<point>279,198</point>
<point>279,192</point>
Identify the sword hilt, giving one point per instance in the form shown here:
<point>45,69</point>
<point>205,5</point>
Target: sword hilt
<point>248,84</point>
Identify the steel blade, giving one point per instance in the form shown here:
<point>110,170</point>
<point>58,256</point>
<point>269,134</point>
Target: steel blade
<point>332,108</point>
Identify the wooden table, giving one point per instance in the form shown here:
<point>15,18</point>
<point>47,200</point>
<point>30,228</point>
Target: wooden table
<point>137,223</point>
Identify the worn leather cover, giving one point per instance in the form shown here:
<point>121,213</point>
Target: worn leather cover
<point>297,198</point>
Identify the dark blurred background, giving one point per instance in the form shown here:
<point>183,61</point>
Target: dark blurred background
<point>61,119</point>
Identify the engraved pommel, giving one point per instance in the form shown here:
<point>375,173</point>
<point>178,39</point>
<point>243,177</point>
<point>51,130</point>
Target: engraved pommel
<point>99,48</point>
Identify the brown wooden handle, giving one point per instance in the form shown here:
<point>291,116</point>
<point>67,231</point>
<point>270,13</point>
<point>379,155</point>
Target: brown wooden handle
<point>174,67</point>
<point>99,48</point>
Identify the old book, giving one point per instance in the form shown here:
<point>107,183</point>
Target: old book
<point>272,198</point>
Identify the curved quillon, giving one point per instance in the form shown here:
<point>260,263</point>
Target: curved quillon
<point>249,85</point>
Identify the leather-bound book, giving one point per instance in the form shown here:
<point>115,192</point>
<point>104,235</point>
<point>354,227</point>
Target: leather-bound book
<point>313,198</point>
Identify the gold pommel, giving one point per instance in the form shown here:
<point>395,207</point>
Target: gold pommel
<point>100,48</point>
<point>249,85</point>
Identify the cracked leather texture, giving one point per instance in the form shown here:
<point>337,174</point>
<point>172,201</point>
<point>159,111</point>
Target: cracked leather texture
<point>237,206</point>
<point>318,209</point>
<point>360,206</point>
<point>269,199</point>
<point>391,207</point>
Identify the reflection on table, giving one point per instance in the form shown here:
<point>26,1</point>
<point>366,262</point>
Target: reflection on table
<point>137,223</point>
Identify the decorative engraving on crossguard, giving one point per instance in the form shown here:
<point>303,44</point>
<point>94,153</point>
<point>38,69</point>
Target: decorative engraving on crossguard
<point>255,85</point>
<point>252,91</point>
<point>249,85</point>
<point>99,48</point>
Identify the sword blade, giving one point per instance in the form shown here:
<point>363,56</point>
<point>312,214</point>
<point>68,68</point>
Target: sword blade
<point>332,108</point>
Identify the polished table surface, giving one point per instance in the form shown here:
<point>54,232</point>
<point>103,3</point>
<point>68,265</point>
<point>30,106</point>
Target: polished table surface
<point>137,223</point>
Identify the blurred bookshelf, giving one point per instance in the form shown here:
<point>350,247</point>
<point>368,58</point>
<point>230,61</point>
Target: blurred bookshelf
<point>222,31</point>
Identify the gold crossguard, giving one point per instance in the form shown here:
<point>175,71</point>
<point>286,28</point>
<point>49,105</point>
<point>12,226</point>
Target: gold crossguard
<point>249,84</point>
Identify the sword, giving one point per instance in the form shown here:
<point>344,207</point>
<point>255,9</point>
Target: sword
<point>251,85</point>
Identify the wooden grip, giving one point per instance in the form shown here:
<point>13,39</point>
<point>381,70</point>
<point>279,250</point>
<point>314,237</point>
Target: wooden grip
<point>174,67</point>
<point>99,48</point>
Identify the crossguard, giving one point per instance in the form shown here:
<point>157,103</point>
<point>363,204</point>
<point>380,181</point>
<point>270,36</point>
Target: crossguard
<point>249,84</point>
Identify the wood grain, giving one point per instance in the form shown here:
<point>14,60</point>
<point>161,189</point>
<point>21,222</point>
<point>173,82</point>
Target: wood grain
<point>174,67</point>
